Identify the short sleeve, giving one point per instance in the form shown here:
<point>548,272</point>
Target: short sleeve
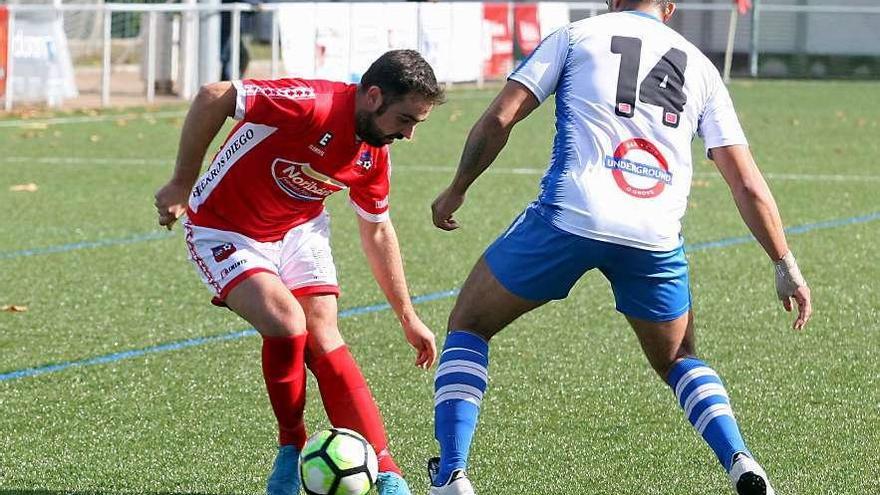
<point>369,198</point>
<point>719,125</point>
<point>280,102</point>
<point>541,70</point>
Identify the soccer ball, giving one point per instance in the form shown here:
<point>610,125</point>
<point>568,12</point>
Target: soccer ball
<point>337,461</point>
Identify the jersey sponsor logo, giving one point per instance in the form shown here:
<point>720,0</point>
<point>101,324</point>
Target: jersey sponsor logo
<point>223,251</point>
<point>318,148</point>
<point>237,145</point>
<point>633,175</point>
<point>302,182</point>
<point>231,268</point>
<point>290,93</point>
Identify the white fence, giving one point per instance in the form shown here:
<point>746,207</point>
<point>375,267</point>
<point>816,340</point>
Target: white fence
<point>786,38</point>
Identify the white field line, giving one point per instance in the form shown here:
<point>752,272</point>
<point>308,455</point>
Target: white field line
<point>26,123</point>
<point>699,175</point>
<point>466,94</point>
<point>63,160</point>
<point>69,160</point>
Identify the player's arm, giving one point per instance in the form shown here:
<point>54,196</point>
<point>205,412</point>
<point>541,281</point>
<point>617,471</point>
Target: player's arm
<point>760,213</point>
<point>207,114</point>
<point>486,139</point>
<point>379,241</point>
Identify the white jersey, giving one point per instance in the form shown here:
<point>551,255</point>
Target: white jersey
<point>630,95</point>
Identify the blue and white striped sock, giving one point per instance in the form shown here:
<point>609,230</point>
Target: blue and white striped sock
<point>459,385</point>
<point>706,405</point>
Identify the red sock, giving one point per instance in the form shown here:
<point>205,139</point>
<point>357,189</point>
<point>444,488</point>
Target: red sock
<point>349,403</point>
<point>285,374</point>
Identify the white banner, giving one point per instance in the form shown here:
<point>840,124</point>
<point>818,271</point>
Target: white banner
<point>552,16</point>
<point>369,35</point>
<point>435,36</point>
<point>332,41</point>
<point>42,70</point>
<point>339,41</point>
<point>403,25</point>
<point>296,24</point>
<point>466,61</point>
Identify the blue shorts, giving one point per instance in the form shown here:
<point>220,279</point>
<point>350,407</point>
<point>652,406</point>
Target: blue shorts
<point>538,261</point>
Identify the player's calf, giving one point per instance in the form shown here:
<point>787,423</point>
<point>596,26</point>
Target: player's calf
<point>706,406</point>
<point>459,385</point>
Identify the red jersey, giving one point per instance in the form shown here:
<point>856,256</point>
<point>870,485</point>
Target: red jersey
<point>295,145</point>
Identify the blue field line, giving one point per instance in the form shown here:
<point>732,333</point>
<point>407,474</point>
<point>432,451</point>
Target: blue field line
<point>119,356</point>
<point>153,236</point>
<point>63,248</point>
<point>797,229</point>
<point>183,344</point>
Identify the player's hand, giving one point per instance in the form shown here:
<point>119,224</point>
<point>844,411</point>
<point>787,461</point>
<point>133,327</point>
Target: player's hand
<point>171,200</point>
<point>801,297</point>
<point>422,339</point>
<point>447,203</point>
<point>790,285</point>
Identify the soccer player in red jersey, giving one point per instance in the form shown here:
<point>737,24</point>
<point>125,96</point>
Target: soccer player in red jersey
<point>258,234</point>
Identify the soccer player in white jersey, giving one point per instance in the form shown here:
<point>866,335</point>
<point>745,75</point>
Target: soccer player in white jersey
<point>630,95</point>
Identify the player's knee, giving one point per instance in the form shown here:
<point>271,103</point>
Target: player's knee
<point>664,367</point>
<point>463,318</point>
<point>323,339</point>
<point>281,320</point>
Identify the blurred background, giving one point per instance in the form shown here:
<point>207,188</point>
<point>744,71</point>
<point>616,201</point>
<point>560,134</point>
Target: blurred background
<point>77,53</point>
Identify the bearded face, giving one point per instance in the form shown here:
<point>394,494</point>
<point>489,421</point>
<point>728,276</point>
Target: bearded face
<point>380,121</point>
<point>367,128</point>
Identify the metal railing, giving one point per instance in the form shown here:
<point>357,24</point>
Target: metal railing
<point>189,16</point>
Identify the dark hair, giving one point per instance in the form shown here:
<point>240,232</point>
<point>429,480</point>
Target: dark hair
<point>400,72</point>
<point>659,3</point>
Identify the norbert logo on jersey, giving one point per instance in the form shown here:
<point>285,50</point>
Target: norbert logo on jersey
<point>302,182</point>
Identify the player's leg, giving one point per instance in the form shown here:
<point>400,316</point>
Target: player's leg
<point>483,308</point>
<point>345,393</point>
<point>242,274</point>
<point>652,290</point>
<point>264,301</point>
<point>530,264</point>
<point>669,347</point>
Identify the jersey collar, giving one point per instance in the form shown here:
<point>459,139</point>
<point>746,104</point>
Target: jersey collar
<point>641,14</point>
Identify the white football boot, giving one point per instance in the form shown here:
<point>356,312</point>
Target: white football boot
<point>457,484</point>
<point>748,477</point>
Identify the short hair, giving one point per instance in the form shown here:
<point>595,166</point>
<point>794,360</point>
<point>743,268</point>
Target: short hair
<point>401,72</point>
<point>659,3</point>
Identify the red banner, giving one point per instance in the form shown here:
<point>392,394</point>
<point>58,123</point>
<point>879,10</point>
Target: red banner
<point>4,44</point>
<point>499,39</point>
<point>743,5</point>
<point>527,28</point>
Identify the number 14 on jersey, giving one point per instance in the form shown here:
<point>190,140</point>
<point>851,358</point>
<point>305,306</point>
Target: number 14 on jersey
<point>661,87</point>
